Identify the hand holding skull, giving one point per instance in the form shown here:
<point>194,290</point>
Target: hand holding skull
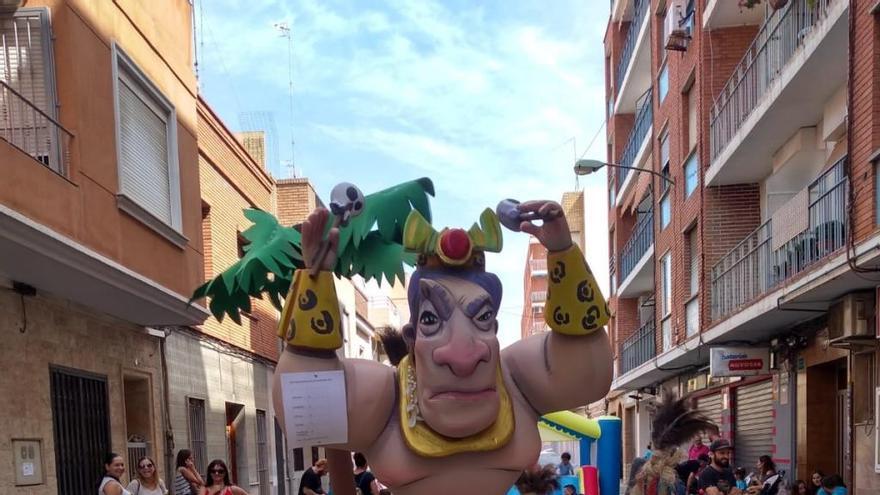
<point>553,231</point>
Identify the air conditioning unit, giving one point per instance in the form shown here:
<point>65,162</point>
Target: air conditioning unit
<point>852,316</point>
<point>677,35</point>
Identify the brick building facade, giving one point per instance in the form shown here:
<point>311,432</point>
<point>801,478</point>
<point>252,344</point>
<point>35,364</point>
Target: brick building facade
<point>763,122</point>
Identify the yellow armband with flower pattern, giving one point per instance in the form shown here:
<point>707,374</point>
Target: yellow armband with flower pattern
<point>310,318</point>
<point>574,306</point>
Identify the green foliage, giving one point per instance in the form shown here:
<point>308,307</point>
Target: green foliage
<point>370,246</point>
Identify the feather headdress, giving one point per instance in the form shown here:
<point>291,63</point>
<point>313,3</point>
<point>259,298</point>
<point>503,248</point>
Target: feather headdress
<point>676,421</point>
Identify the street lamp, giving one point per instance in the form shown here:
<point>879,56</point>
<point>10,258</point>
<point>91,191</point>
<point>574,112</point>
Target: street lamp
<point>586,167</point>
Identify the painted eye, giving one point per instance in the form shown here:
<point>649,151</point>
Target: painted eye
<point>486,315</point>
<point>428,318</point>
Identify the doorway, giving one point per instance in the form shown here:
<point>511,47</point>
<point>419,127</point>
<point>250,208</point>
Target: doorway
<point>827,421</point>
<point>235,441</point>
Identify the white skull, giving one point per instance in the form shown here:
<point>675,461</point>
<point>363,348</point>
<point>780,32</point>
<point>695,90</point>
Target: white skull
<point>346,201</point>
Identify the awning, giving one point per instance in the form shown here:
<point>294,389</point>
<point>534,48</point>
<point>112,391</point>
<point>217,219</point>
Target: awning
<point>572,424</point>
<point>550,434</point>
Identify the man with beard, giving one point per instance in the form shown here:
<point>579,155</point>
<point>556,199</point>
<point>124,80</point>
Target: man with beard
<point>717,476</point>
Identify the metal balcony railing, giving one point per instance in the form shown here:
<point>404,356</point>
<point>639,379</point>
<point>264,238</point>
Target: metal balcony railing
<point>629,46</point>
<point>32,131</point>
<point>644,119</point>
<point>538,297</point>
<point>538,266</point>
<point>637,245</point>
<point>778,39</point>
<point>638,348</point>
<point>753,267</point>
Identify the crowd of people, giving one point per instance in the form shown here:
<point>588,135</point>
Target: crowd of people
<point>707,471</point>
<point>188,481</point>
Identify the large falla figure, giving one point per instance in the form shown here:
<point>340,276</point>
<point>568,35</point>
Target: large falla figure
<point>457,414</point>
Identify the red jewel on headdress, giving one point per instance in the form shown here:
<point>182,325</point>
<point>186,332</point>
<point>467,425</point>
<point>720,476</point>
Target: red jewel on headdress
<point>455,244</point>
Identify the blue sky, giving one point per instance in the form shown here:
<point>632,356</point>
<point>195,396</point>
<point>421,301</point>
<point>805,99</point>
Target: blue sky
<point>483,97</point>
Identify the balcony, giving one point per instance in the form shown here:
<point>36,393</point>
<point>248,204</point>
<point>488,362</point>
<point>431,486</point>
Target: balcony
<point>636,258</point>
<point>633,73</point>
<point>793,66</point>
<point>724,13</point>
<point>636,150</point>
<point>538,267</point>
<point>757,265</point>
<point>32,131</point>
<point>638,348</point>
<point>538,297</point>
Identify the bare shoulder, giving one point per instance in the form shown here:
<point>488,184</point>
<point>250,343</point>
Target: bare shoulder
<point>370,390</point>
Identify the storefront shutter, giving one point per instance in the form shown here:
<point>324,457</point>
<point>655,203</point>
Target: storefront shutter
<point>711,407</point>
<point>753,424</point>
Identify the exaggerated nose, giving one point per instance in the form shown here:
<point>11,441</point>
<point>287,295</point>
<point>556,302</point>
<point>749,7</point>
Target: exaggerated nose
<point>462,353</point>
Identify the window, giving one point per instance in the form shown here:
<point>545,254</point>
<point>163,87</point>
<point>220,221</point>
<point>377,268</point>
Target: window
<point>27,68</point>
<point>298,459</point>
<point>81,424</point>
<point>665,208</point>
<point>692,308</point>
<point>241,243</point>
<point>665,201</point>
<point>691,102</point>
<point>262,453</point>
<point>664,156</point>
<point>666,328</point>
<point>196,419</point>
<point>690,14</point>
<point>691,177</point>
<point>666,284</point>
<point>146,143</point>
<point>612,194</point>
<point>694,262</point>
<point>663,82</point>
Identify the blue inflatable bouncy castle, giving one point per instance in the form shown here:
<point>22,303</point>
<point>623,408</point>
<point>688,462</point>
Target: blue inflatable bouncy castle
<point>599,448</point>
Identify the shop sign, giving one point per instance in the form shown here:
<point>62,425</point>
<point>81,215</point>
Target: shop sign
<point>739,361</point>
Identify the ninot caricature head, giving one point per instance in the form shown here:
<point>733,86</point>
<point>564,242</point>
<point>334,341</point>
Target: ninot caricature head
<point>452,337</point>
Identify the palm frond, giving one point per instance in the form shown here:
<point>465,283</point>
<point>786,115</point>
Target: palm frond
<point>370,246</point>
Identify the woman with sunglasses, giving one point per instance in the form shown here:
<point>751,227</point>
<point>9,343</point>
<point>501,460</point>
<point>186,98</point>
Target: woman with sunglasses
<point>218,481</point>
<point>147,481</point>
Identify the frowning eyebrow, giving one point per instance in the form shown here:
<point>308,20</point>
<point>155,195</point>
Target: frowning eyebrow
<point>477,304</point>
<point>439,296</point>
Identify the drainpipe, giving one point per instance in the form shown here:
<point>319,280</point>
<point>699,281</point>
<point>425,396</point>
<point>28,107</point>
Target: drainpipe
<point>166,412</point>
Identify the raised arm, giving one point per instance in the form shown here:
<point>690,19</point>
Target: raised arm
<point>310,327</point>
<point>571,365</point>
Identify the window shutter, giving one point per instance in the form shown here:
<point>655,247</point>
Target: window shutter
<point>22,57</point>
<point>143,153</point>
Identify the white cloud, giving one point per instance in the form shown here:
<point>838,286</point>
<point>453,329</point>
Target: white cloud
<point>477,98</point>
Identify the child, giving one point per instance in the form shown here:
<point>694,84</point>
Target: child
<point>740,475</point>
<point>569,490</point>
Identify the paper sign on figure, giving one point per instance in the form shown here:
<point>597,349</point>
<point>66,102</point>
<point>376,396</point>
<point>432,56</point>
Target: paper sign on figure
<point>315,408</point>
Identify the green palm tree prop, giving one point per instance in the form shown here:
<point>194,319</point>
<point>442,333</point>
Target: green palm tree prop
<point>370,246</point>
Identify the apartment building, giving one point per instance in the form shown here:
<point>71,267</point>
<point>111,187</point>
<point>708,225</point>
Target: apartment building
<point>100,234</point>
<point>219,373</point>
<point>535,273</point>
<point>742,266</point>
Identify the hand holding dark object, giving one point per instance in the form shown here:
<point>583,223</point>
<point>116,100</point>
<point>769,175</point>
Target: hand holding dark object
<point>319,254</point>
<point>553,231</point>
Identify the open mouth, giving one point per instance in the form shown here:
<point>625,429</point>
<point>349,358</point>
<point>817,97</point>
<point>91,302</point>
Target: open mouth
<point>485,394</point>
